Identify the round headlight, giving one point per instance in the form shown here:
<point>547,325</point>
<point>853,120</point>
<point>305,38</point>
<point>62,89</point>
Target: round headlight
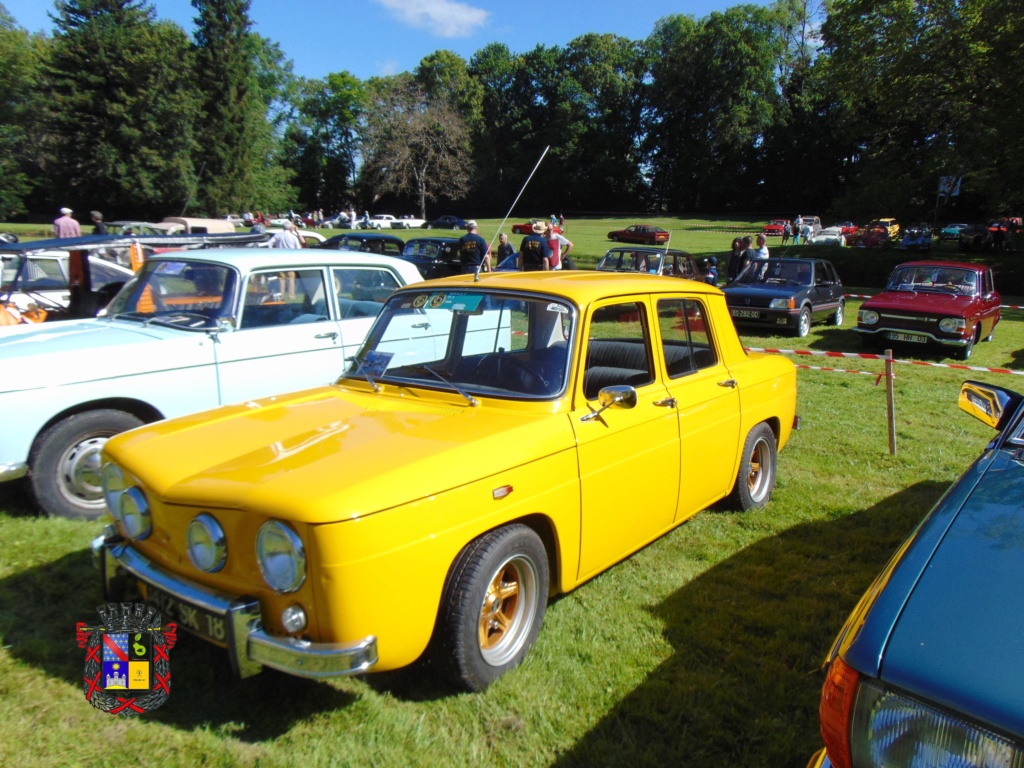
<point>113,485</point>
<point>134,514</point>
<point>293,618</point>
<point>207,547</point>
<point>867,316</point>
<point>952,324</point>
<point>281,557</point>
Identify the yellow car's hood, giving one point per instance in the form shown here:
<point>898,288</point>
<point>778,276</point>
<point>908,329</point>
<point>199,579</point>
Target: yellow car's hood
<point>330,454</point>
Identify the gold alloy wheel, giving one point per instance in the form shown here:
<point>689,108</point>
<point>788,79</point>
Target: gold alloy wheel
<point>507,610</point>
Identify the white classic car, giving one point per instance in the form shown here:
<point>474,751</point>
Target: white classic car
<point>43,278</point>
<point>408,222</point>
<point>380,221</point>
<point>191,331</point>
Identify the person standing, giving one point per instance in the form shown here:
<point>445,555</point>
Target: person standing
<point>286,238</point>
<point>559,245</point>
<point>786,232</point>
<point>505,248</point>
<point>561,221</point>
<point>534,251</point>
<point>798,228</point>
<point>474,252</point>
<point>735,262</point>
<point>65,226</point>
<point>761,252</point>
<point>98,227</point>
<point>711,271</point>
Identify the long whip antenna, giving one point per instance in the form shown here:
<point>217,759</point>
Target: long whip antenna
<point>542,155</point>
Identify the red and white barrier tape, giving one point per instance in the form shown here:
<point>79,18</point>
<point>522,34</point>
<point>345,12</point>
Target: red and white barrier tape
<point>869,356</point>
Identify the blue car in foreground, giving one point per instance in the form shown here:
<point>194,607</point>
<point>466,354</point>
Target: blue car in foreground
<point>929,668</point>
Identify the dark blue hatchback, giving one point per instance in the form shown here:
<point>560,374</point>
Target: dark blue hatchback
<point>929,668</point>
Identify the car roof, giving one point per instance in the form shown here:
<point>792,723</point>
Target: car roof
<point>249,259</point>
<point>647,249</point>
<point>582,287</point>
<point>945,265</point>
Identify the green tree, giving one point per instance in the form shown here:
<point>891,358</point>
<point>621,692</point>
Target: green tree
<point>232,132</point>
<point>322,142</point>
<point>20,58</point>
<point>120,108</point>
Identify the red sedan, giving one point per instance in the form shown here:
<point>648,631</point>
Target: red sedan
<point>527,228</point>
<point>641,234</point>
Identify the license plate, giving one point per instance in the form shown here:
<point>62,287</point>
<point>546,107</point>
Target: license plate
<point>912,337</point>
<point>745,313</point>
<point>191,617</point>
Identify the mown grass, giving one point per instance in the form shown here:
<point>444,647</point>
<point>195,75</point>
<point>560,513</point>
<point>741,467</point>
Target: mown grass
<point>703,649</point>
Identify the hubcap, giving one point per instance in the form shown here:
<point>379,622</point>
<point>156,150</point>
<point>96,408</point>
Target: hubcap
<point>80,480</point>
<point>760,471</point>
<point>506,614</point>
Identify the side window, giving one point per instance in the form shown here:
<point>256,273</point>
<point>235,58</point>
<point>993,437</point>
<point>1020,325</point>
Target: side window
<point>685,339</point>
<point>617,351</point>
<point>362,290</point>
<point>283,298</point>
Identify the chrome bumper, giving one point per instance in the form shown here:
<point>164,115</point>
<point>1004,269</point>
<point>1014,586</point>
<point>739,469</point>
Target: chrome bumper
<point>13,471</point>
<point>931,336</point>
<point>249,647</point>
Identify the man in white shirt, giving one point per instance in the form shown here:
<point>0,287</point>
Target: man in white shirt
<point>762,247</point>
<point>286,238</point>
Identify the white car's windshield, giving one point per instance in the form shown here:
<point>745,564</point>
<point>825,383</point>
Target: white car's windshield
<point>188,294</point>
<point>482,343</point>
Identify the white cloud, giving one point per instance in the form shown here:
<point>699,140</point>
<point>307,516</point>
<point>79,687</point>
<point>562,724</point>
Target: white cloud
<point>444,18</point>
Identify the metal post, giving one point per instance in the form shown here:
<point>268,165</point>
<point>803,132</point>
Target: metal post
<point>890,402</point>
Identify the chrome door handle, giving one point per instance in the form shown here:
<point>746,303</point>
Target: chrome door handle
<point>331,335</point>
<point>731,383</point>
<point>424,326</point>
<point>668,402</point>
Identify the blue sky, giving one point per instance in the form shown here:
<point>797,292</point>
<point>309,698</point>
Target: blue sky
<point>383,37</point>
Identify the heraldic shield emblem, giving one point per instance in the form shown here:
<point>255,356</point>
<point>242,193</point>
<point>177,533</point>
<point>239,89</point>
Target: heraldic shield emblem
<point>127,659</point>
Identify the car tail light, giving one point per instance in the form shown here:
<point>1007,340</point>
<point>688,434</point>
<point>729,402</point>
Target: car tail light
<point>837,698</point>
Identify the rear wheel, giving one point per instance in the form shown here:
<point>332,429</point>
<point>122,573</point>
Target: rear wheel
<point>839,315</point>
<point>493,606</point>
<point>756,477</point>
<point>64,467</point>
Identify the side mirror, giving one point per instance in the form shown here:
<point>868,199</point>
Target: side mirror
<point>621,394</point>
<point>990,405</point>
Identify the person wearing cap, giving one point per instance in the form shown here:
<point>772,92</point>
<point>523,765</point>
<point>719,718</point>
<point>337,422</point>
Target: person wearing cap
<point>534,251</point>
<point>98,227</point>
<point>474,252</point>
<point>65,226</point>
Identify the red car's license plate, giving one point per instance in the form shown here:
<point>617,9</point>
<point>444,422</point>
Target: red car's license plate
<point>913,337</point>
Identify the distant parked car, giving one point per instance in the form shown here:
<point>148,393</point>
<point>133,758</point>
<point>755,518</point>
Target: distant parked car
<point>786,294</point>
<point>871,236</point>
<point>927,669</point>
<point>43,278</point>
<point>407,222</point>
<point>378,221</point>
<point>946,304</point>
<point>775,228</point>
<point>653,261</point>
<point>446,222</point>
<point>892,227</point>
<point>642,234</point>
<point>367,242</point>
<point>846,228</point>
<point>952,231</point>
<point>434,257</point>
<point>916,238</point>
<point>828,236</point>
<point>526,228</point>
<point>193,330</point>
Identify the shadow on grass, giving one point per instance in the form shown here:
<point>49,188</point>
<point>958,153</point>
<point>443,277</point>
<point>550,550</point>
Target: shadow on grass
<point>748,636</point>
<point>38,611</point>
<point>16,499</point>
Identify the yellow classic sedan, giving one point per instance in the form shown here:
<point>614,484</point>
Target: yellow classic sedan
<point>497,440</point>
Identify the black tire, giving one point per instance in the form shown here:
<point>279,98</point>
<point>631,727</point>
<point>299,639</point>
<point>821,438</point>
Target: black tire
<point>964,352</point>
<point>803,323</point>
<point>64,466</point>
<point>493,605</point>
<point>756,477</point>
<point>837,317</point>
<point>614,238</point>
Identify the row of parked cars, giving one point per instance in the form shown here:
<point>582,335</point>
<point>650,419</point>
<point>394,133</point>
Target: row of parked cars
<point>270,527</point>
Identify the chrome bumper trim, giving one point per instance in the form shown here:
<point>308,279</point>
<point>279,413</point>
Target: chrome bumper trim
<point>935,339</point>
<point>13,471</point>
<point>249,646</point>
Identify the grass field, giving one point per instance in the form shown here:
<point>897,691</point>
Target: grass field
<point>701,650</point>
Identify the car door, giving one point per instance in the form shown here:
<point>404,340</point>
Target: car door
<point>706,401</point>
<point>989,302</point>
<point>827,290</point>
<point>628,457</point>
<point>360,291</point>
<point>288,336</point>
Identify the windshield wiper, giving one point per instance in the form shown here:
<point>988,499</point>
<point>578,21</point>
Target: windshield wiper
<point>469,398</point>
<point>360,368</point>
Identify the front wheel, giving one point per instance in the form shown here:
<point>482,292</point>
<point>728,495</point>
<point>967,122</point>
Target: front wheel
<point>803,326</point>
<point>756,477</point>
<point>493,605</point>
<point>64,467</point>
<point>964,352</point>
<point>614,238</point>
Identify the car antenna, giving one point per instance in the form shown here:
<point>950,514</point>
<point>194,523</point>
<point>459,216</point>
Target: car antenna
<point>498,232</point>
